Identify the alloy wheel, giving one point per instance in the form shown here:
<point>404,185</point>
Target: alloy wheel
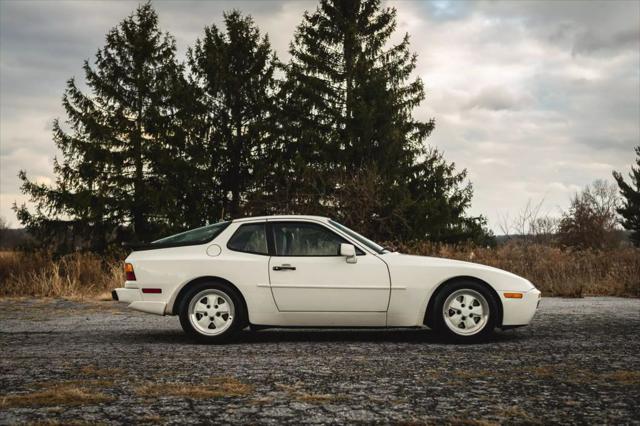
<point>466,312</point>
<point>211,312</point>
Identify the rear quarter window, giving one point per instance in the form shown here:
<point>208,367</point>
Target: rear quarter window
<point>250,238</point>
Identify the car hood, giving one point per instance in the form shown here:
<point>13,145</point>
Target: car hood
<point>450,267</point>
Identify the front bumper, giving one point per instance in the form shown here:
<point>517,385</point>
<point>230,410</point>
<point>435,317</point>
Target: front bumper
<point>520,311</point>
<point>133,296</point>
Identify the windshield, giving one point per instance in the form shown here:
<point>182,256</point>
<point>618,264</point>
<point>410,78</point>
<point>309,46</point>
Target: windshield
<point>194,236</point>
<point>353,234</point>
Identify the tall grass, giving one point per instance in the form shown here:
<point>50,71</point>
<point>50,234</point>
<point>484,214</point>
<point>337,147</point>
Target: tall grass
<point>76,275</point>
<point>555,271</point>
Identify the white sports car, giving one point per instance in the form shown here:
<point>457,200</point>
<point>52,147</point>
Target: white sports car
<point>310,271</point>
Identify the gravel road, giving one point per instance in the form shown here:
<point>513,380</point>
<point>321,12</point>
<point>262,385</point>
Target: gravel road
<point>70,362</point>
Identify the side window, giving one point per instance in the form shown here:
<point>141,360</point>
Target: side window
<point>306,239</point>
<point>250,238</point>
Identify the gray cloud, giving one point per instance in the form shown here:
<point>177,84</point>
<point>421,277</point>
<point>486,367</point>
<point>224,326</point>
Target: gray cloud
<point>534,98</point>
<point>498,98</point>
<point>590,42</point>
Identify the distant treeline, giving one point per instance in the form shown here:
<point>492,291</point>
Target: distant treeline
<point>157,145</point>
<point>14,239</point>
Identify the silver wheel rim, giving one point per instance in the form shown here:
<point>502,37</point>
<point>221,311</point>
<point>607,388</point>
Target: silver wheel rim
<point>211,312</point>
<point>466,312</point>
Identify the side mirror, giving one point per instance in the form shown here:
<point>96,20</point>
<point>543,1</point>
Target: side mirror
<point>348,251</point>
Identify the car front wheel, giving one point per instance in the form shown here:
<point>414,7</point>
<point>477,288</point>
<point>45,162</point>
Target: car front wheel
<point>211,313</point>
<point>465,312</point>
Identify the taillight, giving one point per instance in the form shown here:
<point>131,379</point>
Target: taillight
<point>128,271</point>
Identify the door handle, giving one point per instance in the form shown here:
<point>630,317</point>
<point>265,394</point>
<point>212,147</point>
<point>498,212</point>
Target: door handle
<point>284,268</point>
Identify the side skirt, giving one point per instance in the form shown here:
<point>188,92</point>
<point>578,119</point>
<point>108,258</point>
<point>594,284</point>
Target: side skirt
<point>257,327</point>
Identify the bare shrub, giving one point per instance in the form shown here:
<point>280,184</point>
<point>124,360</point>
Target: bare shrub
<point>531,224</point>
<point>591,220</point>
<point>357,196</point>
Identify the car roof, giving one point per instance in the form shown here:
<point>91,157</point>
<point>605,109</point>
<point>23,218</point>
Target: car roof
<point>282,216</point>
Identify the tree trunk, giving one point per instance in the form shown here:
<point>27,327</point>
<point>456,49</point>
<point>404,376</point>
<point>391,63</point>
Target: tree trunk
<point>139,222</point>
<point>235,181</point>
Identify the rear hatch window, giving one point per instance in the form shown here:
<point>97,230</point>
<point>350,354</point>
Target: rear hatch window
<point>192,237</point>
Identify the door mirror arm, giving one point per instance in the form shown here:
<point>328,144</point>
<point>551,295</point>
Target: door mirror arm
<point>348,251</point>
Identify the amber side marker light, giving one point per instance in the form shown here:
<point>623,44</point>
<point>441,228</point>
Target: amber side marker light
<point>513,295</point>
<point>128,271</point>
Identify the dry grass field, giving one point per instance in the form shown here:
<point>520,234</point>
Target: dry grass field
<point>556,272</point>
<point>76,276</point>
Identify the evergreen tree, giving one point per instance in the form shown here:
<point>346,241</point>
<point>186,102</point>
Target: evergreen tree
<point>630,209</point>
<point>179,158</point>
<point>234,71</point>
<point>347,114</point>
<point>109,175</point>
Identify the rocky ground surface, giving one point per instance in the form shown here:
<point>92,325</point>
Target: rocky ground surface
<point>74,363</point>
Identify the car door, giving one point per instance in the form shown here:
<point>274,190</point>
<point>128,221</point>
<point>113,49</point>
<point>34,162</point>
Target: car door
<point>307,273</point>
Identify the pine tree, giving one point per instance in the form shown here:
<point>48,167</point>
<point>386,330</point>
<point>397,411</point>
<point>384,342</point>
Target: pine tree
<point>179,160</point>
<point>234,70</point>
<point>111,142</point>
<point>630,209</point>
<point>347,116</point>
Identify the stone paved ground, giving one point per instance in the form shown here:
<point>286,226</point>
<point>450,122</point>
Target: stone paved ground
<point>70,362</point>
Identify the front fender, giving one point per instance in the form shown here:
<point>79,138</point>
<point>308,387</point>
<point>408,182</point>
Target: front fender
<point>415,279</point>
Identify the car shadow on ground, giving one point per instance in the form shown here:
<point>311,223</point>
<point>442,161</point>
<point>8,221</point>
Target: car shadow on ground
<point>310,335</point>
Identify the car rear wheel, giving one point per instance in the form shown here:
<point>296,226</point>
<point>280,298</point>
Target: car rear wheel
<point>211,312</point>
<point>465,311</point>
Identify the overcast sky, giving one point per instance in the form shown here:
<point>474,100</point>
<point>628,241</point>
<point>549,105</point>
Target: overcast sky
<point>534,99</point>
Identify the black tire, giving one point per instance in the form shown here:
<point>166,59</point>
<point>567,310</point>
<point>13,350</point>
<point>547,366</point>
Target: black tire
<point>228,295</point>
<point>445,328</point>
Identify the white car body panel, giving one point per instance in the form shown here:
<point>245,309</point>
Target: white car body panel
<point>379,290</point>
<point>330,284</point>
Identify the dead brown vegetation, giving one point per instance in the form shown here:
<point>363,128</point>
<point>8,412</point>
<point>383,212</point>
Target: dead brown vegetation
<point>555,271</point>
<point>39,274</point>
<point>92,370</point>
<point>67,394</point>
<point>219,387</point>
<point>297,392</point>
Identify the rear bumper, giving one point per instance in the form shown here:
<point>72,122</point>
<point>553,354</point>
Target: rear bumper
<point>133,296</point>
<point>520,311</point>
